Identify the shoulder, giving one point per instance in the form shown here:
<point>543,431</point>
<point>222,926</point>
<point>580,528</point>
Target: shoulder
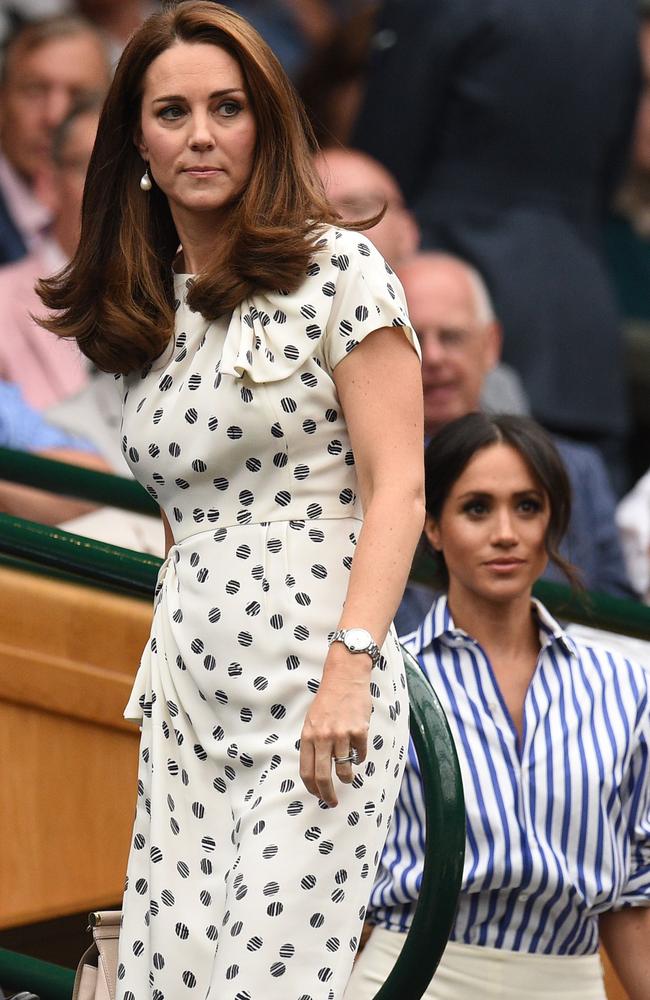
<point>346,248</point>
<point>347,264</point>
<point>622,675</point>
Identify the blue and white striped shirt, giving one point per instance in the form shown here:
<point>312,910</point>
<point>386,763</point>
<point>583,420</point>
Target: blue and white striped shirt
<point>558,827</point>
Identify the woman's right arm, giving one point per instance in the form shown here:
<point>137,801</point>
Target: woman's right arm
<point>626,936</point>
<point>169,538</point>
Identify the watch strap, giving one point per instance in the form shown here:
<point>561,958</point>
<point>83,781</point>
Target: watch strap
<point>372,648</point>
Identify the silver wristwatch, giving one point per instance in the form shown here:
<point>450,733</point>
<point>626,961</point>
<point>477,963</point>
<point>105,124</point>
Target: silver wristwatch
<point>358,640</point>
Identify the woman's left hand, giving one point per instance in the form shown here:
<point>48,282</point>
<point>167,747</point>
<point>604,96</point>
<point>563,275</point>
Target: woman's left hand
<point>337,722</point>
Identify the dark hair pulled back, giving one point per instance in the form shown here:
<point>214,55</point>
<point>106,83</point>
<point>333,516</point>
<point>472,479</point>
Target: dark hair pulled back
<point>452,448</point>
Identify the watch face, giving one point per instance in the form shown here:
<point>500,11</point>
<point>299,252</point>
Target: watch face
<point>357,639</point>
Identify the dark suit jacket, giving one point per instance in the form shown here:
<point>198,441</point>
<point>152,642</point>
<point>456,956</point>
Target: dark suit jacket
<point>12,246</point>
<point>506,122</point>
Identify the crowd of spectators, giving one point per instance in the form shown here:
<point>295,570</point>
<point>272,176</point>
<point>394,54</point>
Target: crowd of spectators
<point>512,162</point>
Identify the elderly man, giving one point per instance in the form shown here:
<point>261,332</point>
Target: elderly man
<point>47,369</point>
<point>461,341</point>
<point>46,67</point>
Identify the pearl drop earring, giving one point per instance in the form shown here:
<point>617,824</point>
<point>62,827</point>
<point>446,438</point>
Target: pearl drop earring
<point>145,181</point>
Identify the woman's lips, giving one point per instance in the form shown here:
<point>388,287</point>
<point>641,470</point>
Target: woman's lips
<point>202,171</point>
<point>504,565</point>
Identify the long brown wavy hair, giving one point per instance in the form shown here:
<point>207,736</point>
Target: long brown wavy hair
<point>116,295</point>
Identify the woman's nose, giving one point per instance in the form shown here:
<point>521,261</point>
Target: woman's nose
<point>504,532</point>
<point>201,136</point>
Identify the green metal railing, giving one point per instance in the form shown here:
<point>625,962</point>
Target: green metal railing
<point>75,481</point>
<point>41,549</point>
<point>445,842</point>
<point>47,981</point>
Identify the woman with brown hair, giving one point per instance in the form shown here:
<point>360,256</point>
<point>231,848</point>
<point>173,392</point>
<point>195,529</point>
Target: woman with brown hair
<point>273,408</point>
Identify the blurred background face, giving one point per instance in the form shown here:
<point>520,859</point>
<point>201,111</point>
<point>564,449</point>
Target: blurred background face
<point>65,184</point>
<point>492,527</point>
<point>358,187</point>
<point>641,147</point>
<point>39,89</point>
<point>457,350</point>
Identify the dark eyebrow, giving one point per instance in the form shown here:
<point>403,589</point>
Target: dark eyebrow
<point>215,93</point>
<point>481,495</point>
<point>475,495</point>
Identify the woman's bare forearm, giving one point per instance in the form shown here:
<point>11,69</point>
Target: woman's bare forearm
<point>382,560</point>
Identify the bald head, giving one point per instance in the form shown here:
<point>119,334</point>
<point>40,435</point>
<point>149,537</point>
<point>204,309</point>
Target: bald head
<point>452,314</point>
<point>358,187</point>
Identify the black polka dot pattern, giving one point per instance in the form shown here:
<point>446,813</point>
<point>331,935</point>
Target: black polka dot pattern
<point>240,884</point>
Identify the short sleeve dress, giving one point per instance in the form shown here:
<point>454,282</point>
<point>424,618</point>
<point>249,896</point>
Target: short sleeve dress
<point>241,885</point>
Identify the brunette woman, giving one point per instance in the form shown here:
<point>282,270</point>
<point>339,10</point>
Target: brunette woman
<point>553,739</point>
<point>271,395</point>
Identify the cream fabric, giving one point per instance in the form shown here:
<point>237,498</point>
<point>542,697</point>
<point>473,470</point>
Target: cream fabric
<point>469,972</point>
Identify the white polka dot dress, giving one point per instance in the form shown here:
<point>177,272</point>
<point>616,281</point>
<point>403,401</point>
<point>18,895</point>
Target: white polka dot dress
<point>240,884</point>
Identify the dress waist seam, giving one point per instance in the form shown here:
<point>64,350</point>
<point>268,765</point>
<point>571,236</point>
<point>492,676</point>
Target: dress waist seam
<point>315,521</point>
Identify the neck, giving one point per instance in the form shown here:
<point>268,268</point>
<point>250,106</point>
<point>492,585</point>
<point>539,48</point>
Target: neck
<point>502,628</point>
<point>198,235</point>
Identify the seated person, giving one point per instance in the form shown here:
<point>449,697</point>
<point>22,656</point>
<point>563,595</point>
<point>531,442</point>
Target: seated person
<point>552,738</point>
<point>23,429</point>
<point>461,342</point>
<point>46,368</point>
<point>46,66</point>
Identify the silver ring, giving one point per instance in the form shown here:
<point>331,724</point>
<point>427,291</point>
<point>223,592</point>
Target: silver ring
<point>352,758</point>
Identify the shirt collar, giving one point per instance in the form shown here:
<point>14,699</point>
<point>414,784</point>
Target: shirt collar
<point>29,214</point>
<point>438,624</point>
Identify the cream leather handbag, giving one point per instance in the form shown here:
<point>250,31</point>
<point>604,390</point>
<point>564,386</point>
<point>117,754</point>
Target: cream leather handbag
<point>96,977</point>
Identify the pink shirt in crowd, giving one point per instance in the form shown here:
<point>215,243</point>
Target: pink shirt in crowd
<point>46,368</point>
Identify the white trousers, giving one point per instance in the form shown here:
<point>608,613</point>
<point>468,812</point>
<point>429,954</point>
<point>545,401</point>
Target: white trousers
<point>468,972</point>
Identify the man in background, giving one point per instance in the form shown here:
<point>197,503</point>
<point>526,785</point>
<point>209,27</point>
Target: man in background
<point>46,368</point>
<point>46,67</point>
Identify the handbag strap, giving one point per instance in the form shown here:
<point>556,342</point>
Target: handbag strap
<point>96,977</point>
<point>106,931</point>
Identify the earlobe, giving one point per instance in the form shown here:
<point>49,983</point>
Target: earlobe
<point>141,146</point>
<point>432,532</point>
